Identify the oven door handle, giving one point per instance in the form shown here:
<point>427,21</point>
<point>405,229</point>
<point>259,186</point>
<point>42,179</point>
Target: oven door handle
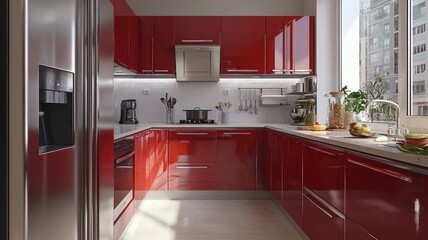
<point>124,157</point>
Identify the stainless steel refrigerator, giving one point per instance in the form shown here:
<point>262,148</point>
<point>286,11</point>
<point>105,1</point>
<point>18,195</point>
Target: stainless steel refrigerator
<point>63,182</point>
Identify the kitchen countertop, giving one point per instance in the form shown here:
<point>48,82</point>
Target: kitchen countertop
<point>336,138</point>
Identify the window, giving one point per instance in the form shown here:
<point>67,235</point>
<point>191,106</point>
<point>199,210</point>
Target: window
<point>402,63</point>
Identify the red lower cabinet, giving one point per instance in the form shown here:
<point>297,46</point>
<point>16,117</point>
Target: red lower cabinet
<point>319,222</point>
<point>262,177</point>
<point>236,159</point>
<point>192,146</point>
<point>386,198</point>
<point>355,232</point>
<point>292,178</point>
<point>141,165</point>
<point>192,176</point>
<point>159,164</point>
<point>275,159</point>
<point>324,173</point>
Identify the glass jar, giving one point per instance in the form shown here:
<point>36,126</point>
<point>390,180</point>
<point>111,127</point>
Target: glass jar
<point>336,110</point>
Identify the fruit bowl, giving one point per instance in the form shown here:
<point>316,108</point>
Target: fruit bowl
<point>362,134</point>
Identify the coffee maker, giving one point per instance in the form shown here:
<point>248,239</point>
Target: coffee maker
<point>127,112</point>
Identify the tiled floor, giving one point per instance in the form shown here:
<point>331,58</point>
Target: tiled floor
<point>210,220</point>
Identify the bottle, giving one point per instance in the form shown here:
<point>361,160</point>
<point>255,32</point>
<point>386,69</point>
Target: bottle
<point>310,118</point>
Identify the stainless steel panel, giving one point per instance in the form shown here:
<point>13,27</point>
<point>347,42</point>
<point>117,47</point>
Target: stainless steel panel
<point>53,185</point>
<point>197,62</point>
<point>54,79</point>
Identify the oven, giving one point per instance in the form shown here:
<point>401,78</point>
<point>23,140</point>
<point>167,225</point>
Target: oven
<point>123,174</point>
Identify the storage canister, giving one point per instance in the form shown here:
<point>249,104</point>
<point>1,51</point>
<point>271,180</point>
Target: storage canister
<point>336,110</point>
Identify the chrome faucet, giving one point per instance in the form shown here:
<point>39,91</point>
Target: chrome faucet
<point>397,129</point>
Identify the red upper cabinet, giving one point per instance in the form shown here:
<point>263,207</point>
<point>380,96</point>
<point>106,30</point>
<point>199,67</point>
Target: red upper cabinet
<point>292,178</point>
<point>303,45</point>
<point>387,199</point>
<point>134,44</point>
<point>242,45</point>
<point>122,40</point>
<point>236,159</point>
<point>323,173</point>
<point>290,45</point>
<point>146,45</point>
<point>197,30</point>
<point>274,45</point>
<point>163,45</point>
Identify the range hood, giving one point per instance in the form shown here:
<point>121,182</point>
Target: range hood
<point>197,63</point>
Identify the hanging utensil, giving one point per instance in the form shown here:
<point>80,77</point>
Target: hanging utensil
<point>245,97</point>
<point>256,109</point>
<point>240,108</point>
<point>218,108</point>
<point>251,107</point>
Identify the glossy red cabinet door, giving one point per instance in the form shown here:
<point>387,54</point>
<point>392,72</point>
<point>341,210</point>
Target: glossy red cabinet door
<point>159,167</point>
<point>323,173</point>
<point>292,178</point>
<point>236,159</point>
<point>274,45</point>
<point>192,146</point>
<point>134,43</point>
<point>197,30</point>
<point>319,222</point>
<point>163,45</point>
<point>390,202</point>
<point>355,232</point>
<point>263,178</point>
<point>275,156</point>
<point>192,176</point>
<point>122,40</point>
<point>242,45</point>
<point>146,45</point>
<point>303,38</point>
<point>141,165</point>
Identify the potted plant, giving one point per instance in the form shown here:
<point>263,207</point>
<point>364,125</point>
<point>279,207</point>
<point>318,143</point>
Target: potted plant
<point>355,103</point>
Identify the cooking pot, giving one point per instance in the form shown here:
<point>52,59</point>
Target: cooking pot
<point>196,114</point>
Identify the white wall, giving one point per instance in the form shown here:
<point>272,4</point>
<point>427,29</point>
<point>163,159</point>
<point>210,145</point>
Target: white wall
<point>198,94</point>
<point>216,7</point>
<point>327,56</point>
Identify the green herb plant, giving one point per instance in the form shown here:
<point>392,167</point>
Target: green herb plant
<point>355,101</point>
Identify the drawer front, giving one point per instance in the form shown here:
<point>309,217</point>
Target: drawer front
<point>355,232</point>
<point>319,222</point>
<point>323,173</point>
<point>193,176</point>
<point>192,146</point>
<point>389,202</point>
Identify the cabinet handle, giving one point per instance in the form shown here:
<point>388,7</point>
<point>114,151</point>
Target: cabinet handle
<point>146,71</point>
<point>161,71</point>
<point>322,151</point>
<point>125,167</point>
<point>288,70</point>
<point>191,167</point>
<point>243,70</point>
<point>303,70</point>
<point>124,157</point>
<point>192,134</point>
<point>195,41</point>
<point>230,134</point>
<point>383,171</point>
<point>295,142</point>
<point>277,70</point>
<point>318,206</point>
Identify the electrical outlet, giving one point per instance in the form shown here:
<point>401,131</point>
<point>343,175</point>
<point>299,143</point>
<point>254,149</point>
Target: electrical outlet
<point>146,91</point>
<point>225,91</point>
